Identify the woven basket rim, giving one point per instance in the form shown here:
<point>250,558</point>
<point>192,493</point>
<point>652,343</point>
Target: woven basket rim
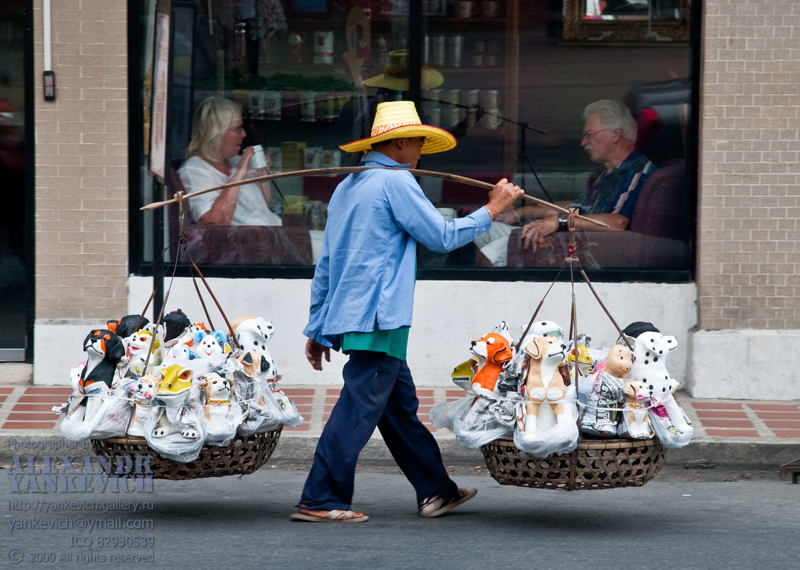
<point>244,454</point>
<point>597,443</point>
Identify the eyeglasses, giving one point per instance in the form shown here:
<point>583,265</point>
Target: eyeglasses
<point>589,134</point>
<point>239,129</point>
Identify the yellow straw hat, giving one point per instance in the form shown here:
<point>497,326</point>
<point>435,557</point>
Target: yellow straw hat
<point>395,75</point>
<point>399,120</point>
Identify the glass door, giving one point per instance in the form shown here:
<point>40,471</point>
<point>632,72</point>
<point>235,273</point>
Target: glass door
<point>14,245</point>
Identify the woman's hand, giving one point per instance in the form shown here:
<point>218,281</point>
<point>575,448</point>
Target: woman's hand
<point>244,165</point>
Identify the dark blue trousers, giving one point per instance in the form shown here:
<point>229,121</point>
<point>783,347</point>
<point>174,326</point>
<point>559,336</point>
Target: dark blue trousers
<point>378,391</point>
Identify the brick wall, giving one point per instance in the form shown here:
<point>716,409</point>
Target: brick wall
<point>749,209</point>
<point>81,162</point>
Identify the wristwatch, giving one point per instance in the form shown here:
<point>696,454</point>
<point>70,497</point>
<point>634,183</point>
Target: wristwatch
<point>563,224</point>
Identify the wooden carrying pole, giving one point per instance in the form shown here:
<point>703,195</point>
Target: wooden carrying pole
<point>351,169</point>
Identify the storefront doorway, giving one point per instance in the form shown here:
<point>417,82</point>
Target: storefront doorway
<point>16,247</point>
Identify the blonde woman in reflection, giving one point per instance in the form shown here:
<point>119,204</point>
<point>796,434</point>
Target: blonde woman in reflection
<point>213,159</point>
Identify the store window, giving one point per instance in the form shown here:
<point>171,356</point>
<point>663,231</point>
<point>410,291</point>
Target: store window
<point>509,79</point>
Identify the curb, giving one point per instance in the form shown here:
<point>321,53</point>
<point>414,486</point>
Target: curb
<point>299,448</point>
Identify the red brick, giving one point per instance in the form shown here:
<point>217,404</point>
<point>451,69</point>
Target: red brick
<point>788,433</point>
<point>728,424</point>
<point>302,427</point>
<point>60,390</point>
<point>775,407</point>
<point>294,392</point>
<point>29,425</point>
<point>732,432</point>
<point>711,414</point>
<point>782,424</point>
<point>42,398</point>
<point>424,393</point>
<point>779,415</point>
<point>26,416</point>
<point>6,390</point>
<point>716,406</point>
<point>32,407</point>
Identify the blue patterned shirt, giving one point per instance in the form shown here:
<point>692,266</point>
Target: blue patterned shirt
<point>616,192</point>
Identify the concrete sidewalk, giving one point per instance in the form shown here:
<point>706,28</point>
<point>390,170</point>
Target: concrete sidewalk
<point>727,432</point>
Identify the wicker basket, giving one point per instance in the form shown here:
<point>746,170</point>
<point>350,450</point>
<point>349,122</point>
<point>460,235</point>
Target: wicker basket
<point>595,464</point>
<point>242,456</point>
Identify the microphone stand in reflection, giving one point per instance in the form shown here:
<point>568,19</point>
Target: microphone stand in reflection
<point>522,160</point>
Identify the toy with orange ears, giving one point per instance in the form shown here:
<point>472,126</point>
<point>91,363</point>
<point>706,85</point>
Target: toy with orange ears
<point>493,352</point>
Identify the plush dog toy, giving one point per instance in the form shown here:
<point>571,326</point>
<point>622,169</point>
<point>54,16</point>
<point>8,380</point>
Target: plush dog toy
<point>250,372</point>
<point>666,416</point>
<point>91,410</point>
<point>544,430</point>
<point>222,414</point>
<point>599,416</point>
<point>138,348</point>
<point>634,422</point>
<point>128,325</point>
<point>493,351</point>
<point>142,393</point>
<point>253,333</point>
<point>218,395</point>
<point>175,323</point>
<point>544,382</point>
<point>104,350</point>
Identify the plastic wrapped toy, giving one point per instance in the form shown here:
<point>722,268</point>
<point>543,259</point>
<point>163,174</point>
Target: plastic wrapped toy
<point>599,415</point>
<point>542,430</point>
<point>668,420</point>
<point>177,430</point>
<point>222,414</point>
<point>634,418</point>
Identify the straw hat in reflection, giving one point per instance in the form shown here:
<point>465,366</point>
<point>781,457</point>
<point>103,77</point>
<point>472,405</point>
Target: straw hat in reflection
<point>395,75</point>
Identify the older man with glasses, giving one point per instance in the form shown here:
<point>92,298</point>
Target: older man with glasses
<point>609,137</point>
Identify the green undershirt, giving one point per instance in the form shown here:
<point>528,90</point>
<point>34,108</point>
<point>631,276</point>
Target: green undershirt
<point>393,342</point>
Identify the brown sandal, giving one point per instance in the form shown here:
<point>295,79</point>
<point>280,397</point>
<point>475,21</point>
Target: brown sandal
<point>334,516</point>
<point>437,506</point>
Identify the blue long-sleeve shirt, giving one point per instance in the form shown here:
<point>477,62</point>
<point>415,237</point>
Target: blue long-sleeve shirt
<point>366,271</point>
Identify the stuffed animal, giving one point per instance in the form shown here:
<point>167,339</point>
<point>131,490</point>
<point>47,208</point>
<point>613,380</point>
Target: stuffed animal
<point>634,422</point>
<point>492,351</point>
<point>206,344</point>
<point>463,374</point>
<point>544,430</point>
<point>138,348</point>
<point>142,392</point>
<point>174,394</point>
<point>599,416</point>
<point>104,350</point>
<point>222,414</point>
<point>250,371</point>
<point>253,333</point>
<point>190,332</point>
<point>128,325</point>
<point>93,410</point>
<point>667,419</point>
<point>178,353</point>
<point>175,323</point>
<point>176,428</point>
<point>544,381</point>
